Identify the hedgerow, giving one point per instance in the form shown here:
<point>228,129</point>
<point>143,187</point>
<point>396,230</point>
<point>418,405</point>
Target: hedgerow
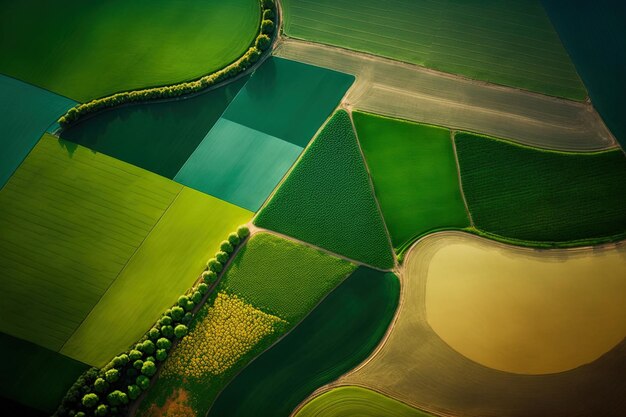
<point>252,55</point>
<point>110,390</point>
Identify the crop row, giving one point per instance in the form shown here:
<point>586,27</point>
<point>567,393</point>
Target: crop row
<point>110,390</point>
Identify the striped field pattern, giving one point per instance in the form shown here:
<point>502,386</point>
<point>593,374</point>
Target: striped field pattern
<point>70,220</point>
<point>506,42</point>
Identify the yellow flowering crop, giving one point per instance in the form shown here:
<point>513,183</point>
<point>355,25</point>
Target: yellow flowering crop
<point>230,329</point>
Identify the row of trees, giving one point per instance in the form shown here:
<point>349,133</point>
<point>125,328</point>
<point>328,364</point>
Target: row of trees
<point>109,391</point>
<point>252,55</point>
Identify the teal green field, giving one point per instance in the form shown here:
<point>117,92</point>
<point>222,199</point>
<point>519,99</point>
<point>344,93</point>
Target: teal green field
<point>504,42</point>
<point>85,50</point>
<point>327,199</point>
<point>415,175</point>
<point>263,131</point>
<point>157,136</point>
<point>340,333</point>
<point>542,196</point>
<point>25,114</point>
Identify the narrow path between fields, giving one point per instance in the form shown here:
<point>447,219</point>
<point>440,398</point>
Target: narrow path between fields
<point>415,93</point>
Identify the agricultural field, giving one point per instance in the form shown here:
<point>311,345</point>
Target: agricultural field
<point>327,199</point>
<point>249,150</point>
<point>91,50</point>
<point>43,371</point>
<point>415,176</point>
<point>504,42</point>
<point>338,334</point>
<point>297,208</point>
<point>573,308</point>
<point>351,401</point>
<point>410,92</point>
<point>170,258</point>
<point>542,196</point>
<point>272,284</point>
<point>71,220</point>
<point>25,114</point>
<point>603,40</point>
<point>545,306</point>
<point>158,136</point>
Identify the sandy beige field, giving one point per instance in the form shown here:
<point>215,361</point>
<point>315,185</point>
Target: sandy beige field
<point>410,92</point>
<point>417,366</point>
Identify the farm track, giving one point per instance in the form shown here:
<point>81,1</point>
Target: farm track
<point>406,91</point>
<point>442,381</point>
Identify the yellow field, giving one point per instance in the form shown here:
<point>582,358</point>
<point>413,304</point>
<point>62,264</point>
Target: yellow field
<point>503,318</point>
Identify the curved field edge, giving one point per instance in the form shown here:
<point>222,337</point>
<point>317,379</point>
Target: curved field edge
<point>530,243</point>
<point>597,377</point>
<point>249,60</point>
<point>343,330</point>
<point>350,400</point>
<point>532,194</point>
<point>177,391</point>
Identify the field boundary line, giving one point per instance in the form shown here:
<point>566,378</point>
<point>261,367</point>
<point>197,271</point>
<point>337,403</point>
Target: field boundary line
<point>122,270</point>
<point>458,172</point>
<point>263,55</point>
<point>258,229</point>
<point>370,180</point>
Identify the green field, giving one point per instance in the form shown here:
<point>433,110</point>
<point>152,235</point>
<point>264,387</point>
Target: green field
<point>282,277</point>
<point>288,99</point>
<point>338,335</point>
<point>71,220</point>
<point>543,196</point>
<point>34,375</point>
<point>414,173</point>
<point>506,42</point>
<point>157,136</point>
<point>271,275</point>
<point>84,235</point>
<point>84,50</point>
<point>25,114</point>
<point>238,164</point>
<point>327,199</point>
<point>263,131</point>
<point>356,401</point>
<point>166,264</point>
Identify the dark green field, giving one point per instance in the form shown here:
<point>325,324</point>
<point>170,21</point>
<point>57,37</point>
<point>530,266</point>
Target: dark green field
<point>542,196</point>
<point>34,375</point>
<point>339,334</point>
<point>327,199</point>
<point>158,137</point>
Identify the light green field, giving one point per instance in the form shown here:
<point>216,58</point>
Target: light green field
<point>414,173</point>
<point>283,277</point>
<point>85,236</point>
<point>506,42</point>
<point>84,50</point>
<point>355,401</point>
<point>165,266</point>
<point>70,221</point>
